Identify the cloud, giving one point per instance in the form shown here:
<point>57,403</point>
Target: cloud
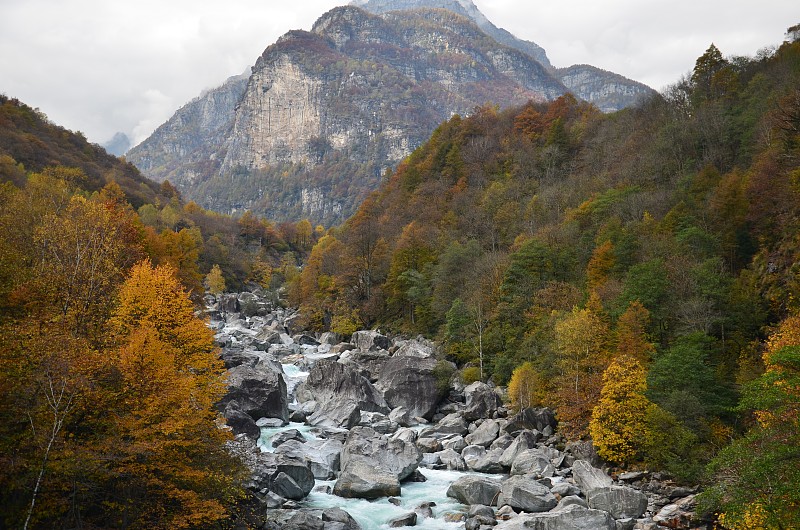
<point>104,66</point>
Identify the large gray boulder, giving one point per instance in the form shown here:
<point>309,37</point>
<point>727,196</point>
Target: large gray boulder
<point>532,462</point>
<point>621,502</point>
<point>485,434</point>
<point>532,419</point>
<point>479,459</point>
<point>475,489</point>
<point>260,391</point>
<point>343,392</point>
<point>322,455</point>
<point>525,440</point>
<point>240,422</point>
<point>337,515</point>
<point>410,382</point>
<point>481,401</point>
<point>361,479</point>
<point>419,347</point>
<point>266,468</point>
<point>452,424</point>
<point>370,340</point>
<point>573,517</point>
<point>589,478</point>
<point>526,494</point>
<point>373,465</point>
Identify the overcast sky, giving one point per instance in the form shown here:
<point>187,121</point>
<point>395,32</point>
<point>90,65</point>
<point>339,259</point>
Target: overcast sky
<point>102,66</point>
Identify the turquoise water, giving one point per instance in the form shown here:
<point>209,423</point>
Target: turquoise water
<point>376,514</point>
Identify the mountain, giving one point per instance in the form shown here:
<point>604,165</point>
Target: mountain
<point>325,113</point>
<point>465,8</point>
<point>118,145</point>
<point>30,142</point>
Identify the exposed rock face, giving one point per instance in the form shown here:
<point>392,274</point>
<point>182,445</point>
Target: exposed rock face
<point>607,90</point>
<point>181,150</point>
<point>343,393</point>
<point>373,465</point>
<point>334,107</point>
<point>260,391</point>
<point>410,382</point>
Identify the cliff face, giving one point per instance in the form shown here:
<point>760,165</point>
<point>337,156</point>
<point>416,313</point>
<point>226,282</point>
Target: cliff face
<point>326,112</point>
<point>187,147</point>
<point>606,90</point>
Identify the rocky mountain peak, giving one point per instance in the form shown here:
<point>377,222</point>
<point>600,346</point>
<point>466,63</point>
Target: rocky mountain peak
<point>465,8</point>
<point>325,113</point>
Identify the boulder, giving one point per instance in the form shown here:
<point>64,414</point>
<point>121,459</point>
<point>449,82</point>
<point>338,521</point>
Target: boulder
<point>373,465</point>
<point>260,390</point>
<point>343,392</point>
<point>565,489</point>
<point>236,357</point>
<point>337,515</point>
<point>411,382</point>
<point>285,436</point>
<point>369,363</point>
<point>525,440</point>
<point>621,502</point>
<point>571,518</point>
<point>452,460</point>
<point>588,477</point>
<point>303,521</point>
<point>401,416</point>
<point>479,459</point>
<point>331,380</point>
<point>266,467</point>
<point>481,401</point>
<point>527,495</point>
<point>394,455</point>
<point>419,348</point>
<point>322,455</point>
<point>361,479</point>
<point>474,489</point>
<point>532,462</point>
<point>339,413</point>
<point>532,419</point>
<point>240,422</point>
<point>370,340</point>
<point>569,500</point>
<point>409,519</point>
<point>330,338</point>
<point>449,425</point>
<point>677,515</point>
<point>286,487</point>
<point>485,434</point>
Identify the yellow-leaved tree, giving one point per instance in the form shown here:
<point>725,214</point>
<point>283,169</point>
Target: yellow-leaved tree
<point>618,425</point>
<point>526,387</point>
<point>582,345</point>
<point>167,450</point>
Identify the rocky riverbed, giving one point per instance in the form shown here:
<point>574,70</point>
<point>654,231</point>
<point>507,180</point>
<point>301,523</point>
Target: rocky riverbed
<point>376,433</point>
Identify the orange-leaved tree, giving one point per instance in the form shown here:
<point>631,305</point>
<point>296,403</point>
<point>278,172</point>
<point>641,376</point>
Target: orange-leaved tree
<point>170,466</point>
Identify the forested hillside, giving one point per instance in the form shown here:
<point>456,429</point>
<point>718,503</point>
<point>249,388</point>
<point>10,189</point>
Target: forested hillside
<point>638,271</point>
<point>108,379</point>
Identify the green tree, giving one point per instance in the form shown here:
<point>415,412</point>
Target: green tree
<point>757,478</point>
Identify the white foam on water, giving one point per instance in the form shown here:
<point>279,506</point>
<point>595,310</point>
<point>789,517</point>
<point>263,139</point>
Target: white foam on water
<point>378,513</point>
<point>265,440</point>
